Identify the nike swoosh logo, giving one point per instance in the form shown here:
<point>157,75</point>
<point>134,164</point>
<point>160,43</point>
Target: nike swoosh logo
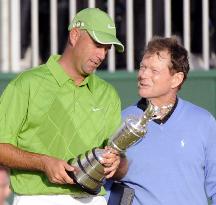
<point>110,26</point>
<point>96,109</point>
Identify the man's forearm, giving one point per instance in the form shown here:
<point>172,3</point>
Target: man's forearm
<point>54,168</point>
<point>14,157</point>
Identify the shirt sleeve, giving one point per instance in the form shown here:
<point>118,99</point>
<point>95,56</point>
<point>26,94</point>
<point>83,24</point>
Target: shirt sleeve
<point>210,165</point>
<point>13,111</point>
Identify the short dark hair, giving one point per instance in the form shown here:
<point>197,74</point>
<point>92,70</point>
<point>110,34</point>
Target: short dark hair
<point>178,54</point>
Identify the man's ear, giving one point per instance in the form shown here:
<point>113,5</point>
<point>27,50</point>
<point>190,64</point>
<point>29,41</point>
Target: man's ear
<point>177,79</point>
<point>74,35</point>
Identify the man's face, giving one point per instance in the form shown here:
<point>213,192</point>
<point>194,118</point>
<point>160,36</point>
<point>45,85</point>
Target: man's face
<point>4,186</point>
<point>89,54</point>
<point>155,81</point>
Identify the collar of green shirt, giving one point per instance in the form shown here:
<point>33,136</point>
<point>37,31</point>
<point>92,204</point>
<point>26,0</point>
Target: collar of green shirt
<point>61,76</point>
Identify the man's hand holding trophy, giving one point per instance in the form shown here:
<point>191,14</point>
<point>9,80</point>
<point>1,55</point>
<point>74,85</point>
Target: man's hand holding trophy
<point>90,173</point>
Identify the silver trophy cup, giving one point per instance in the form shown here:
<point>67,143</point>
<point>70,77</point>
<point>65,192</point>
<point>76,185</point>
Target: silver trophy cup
<point>90,172</point>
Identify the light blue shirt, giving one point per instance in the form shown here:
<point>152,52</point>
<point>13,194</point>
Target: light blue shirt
<point>175,164</point>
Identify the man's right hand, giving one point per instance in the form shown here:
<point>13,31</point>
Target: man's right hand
<point>55,169</point>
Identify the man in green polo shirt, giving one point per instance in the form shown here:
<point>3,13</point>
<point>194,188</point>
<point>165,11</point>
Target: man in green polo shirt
<point>58,110</point>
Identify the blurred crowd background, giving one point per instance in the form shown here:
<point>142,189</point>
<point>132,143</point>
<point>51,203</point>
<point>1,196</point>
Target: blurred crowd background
<point>138,28</point>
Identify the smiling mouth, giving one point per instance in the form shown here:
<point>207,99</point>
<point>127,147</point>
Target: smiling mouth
<point>140,84</point>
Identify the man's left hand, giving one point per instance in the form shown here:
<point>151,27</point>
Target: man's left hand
<point>111,161</point>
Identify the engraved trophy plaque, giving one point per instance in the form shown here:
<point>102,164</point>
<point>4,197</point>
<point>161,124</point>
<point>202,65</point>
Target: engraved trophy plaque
<point>90,172</point>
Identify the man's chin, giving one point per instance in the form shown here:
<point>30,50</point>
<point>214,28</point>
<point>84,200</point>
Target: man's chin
<point>143,94</point>
<point>90,71</point>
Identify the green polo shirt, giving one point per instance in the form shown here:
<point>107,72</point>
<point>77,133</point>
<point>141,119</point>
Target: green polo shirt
<point>43,111</point>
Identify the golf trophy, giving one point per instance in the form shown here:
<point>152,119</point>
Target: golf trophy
<point>90,172</point>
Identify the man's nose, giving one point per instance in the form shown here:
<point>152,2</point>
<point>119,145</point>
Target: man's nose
<point>145,72</point>
<point>102,53</point>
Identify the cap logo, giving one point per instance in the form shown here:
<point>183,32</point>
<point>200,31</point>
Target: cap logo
<point>110,26</point>
<point>78,24</point>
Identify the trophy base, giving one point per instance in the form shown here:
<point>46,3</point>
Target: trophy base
<point>85,188</point>
<point>86,176</point>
